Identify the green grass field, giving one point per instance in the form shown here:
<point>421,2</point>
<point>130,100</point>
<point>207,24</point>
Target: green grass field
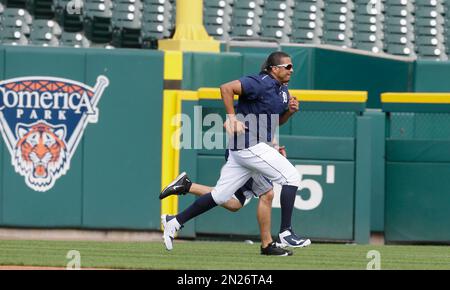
<point>218,255</point>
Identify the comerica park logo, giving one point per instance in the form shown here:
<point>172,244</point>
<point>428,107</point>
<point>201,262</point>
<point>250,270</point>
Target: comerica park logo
<point>42,120</point>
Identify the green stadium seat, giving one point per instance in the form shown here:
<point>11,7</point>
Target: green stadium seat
<point>337,8</point>
<point>243,13</point>
<point>398,11</point>
<point>309,6</point>
<point>250,22</point>
<point>98,9</point>
<point>217,11</point>
<point>16,24</point>
<point>10,33</point>
<point>426,39</point>
<point>130,24</point>
<point>432,31</point>
<point>336,38</point>
<point>369,28</point>
<point>153,26</point>
<point>362,8</point>
<point>336,26</point>
<point>430,51</point>
<point>430,22</point>
<point>277,14</point>
<point>272,32</point>
<point>215,3</point>
<point>399,38</point>
<point>366,37</point>
<point>306,36</point>
<point>213,20</point>
<point>277,5</point>
<point>368,19</point>
<point>368,46</point>
<point>127,6</point>
<point>18,13</point>
<point>41,42</point>
<point>398,49</point>
<point>304,24</point>
<point>50,25</point>
<point>302,15</point>
<point>431,3</point>
<point>244,31</point>
<point>74,39</point>
<point>154,30</point>
<point>160,18</point>
<point>217,31</point>
<point>399,29</point>
<point>126,15</point>
<point>257,12</point>
<point>397,2</point>
<point>155,2</point>
<point>428,11</point>
<point>13,37</point>
<point>248,4</point>
<point>280,23</point>
<point>403,21</point>
<point>43,35</point>
<point>332,17</point>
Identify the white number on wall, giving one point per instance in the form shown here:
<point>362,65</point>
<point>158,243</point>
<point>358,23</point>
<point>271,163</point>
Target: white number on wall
<point>314,187</point>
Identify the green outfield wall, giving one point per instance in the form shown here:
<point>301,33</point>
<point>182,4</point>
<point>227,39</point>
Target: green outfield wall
<point>431,76</point>
<point>417,170</point>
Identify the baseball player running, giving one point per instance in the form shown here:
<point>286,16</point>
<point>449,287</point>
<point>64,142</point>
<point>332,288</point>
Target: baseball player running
<point>257,186</point>
<point>264,103</point>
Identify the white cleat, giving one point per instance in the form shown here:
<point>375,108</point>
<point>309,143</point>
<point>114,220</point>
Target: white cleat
<point>289,239</point>
<point>171,226</point>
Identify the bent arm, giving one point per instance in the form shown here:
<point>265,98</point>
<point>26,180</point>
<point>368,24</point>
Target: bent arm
<point>292,108</point>
<point>285,117</point>
<point>228,91</point>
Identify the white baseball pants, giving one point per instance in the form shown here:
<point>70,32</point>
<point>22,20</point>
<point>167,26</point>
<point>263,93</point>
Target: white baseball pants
<point>258,159</point>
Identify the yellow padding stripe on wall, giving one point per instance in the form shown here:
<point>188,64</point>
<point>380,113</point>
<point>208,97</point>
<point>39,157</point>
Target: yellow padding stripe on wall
<point>422,98</point>
<point>168,152</point>
<point>302,95</point>
<point>172,109</point>
<point>330,96</point>
<point>211,94</point>
<point>173,65</point>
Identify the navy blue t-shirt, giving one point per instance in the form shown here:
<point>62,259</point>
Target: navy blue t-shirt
<point>261,104</point>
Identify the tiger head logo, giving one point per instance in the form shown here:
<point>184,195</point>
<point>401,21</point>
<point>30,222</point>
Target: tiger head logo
<point>40,154</point>
<point>42,121</point>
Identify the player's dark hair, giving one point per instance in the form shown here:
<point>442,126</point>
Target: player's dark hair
<point>273,59</point>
